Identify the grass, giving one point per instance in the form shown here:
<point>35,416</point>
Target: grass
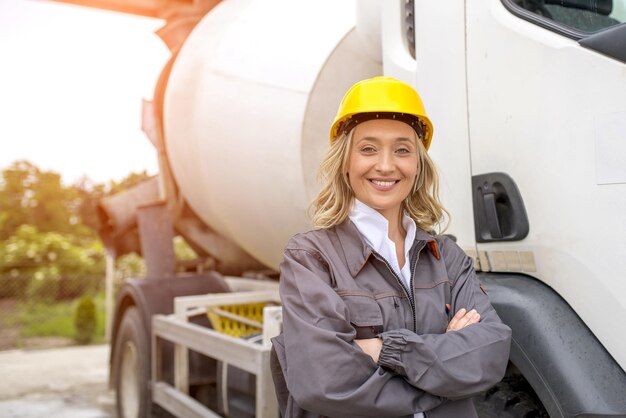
<point>56,319</point>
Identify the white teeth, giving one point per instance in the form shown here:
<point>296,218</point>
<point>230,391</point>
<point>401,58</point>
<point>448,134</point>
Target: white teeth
<point>383,183</point>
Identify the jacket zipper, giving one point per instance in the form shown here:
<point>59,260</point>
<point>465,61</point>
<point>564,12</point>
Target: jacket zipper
<point>409,294</point>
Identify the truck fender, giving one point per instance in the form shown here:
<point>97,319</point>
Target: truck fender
<point>156,296</point>
<point>567,366</point>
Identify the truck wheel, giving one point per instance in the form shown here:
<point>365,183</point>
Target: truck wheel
<point>131,367</point>
<point>513,397</point>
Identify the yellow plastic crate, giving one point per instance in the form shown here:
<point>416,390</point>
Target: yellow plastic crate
<point>237,320</point>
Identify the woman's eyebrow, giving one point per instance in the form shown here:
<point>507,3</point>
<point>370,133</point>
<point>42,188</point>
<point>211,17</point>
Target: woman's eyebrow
<point>377,139</point>
<point>368,138</point>
<point>404,139</point>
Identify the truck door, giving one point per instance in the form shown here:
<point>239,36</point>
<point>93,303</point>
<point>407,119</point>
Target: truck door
<point>546,90</point>
<point>424,45</point>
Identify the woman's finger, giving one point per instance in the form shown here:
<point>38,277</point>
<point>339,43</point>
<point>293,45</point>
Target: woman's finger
<point>455,319</point>
<point>453,325</point>
<point>467,319</point>
<point>462,319</point>
<point>475,319</point>
<point>460,314</point>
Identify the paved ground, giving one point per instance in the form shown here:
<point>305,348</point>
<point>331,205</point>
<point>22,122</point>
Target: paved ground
<point>68,382</point>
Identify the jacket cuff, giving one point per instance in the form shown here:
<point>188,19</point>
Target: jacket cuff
<point>390,356</point>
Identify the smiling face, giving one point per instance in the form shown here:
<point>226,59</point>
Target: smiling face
<point>382,164</point>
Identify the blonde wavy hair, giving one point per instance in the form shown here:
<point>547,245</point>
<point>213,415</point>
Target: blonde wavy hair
<point>334,202</point>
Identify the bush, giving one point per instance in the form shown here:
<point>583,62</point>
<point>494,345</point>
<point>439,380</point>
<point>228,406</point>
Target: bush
<point>85,320</point>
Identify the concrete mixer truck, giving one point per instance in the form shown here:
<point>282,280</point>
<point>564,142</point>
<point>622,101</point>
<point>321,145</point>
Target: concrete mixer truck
<point>528,99</point>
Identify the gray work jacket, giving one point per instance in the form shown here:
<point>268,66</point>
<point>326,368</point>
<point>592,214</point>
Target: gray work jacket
<point>335,289</point>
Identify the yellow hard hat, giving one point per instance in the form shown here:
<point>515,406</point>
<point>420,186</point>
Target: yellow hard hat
<point>382,98</point>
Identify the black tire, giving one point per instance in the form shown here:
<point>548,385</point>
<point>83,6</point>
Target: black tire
<point>513,397</point>
<point>132,367</point>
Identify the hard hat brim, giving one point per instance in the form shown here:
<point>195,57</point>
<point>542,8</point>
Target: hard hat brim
<point>426,123</point>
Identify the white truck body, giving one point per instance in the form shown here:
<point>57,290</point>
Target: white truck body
<point>253,90</point>
<point>553,115</point>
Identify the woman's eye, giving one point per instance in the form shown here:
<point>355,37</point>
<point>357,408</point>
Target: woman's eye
<point>403,150</point>
<point>368,149</point>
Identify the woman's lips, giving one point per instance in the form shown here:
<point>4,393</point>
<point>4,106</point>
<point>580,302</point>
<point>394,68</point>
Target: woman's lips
<point>383,184</point>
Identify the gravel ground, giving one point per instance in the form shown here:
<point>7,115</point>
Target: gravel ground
<point>56,383</point>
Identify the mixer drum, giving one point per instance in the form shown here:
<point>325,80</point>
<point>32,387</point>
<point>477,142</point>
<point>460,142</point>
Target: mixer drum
<point>247,112</point>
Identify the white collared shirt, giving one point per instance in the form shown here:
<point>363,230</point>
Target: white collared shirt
<point>374,228</point>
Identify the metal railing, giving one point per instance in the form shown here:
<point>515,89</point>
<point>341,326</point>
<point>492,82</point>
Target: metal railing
<point>251,356</point>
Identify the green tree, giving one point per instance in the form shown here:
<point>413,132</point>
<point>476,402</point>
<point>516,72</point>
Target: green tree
<point>15,199</point>
<point>29,196</point>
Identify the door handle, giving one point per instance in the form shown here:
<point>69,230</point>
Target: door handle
<point>499,212</point>
<point>491,213</point>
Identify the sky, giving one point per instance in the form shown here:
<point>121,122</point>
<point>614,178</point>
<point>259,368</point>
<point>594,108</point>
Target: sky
<point>72,81</point>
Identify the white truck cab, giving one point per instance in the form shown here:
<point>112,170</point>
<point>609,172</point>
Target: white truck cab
<point>528,99</point>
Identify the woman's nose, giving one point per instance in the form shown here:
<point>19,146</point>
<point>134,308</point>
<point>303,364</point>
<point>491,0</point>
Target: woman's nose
<point>384,163</point>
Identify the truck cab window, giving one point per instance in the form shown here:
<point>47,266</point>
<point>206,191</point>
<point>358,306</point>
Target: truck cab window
<point>583,16</point>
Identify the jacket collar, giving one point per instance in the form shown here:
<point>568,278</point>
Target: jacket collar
<point>373,228</point>
<point>357,251</point>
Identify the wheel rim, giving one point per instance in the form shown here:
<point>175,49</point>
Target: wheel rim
<point>129,381</point>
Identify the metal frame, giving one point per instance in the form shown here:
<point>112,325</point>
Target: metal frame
<point>252,357</point>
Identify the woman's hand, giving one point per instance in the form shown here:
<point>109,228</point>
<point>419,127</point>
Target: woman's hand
<point>371,347</point>
<point>463,319</point>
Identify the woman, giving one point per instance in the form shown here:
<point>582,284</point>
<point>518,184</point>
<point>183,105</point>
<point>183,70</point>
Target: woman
<point>380,316</point>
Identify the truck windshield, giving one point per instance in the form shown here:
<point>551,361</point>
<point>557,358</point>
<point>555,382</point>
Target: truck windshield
<point>586,16</point>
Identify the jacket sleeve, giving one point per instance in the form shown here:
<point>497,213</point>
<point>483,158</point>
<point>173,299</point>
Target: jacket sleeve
<point>327,372</point>
<point>456,364</point>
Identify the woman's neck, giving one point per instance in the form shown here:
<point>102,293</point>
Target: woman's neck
<point>396,232</point>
